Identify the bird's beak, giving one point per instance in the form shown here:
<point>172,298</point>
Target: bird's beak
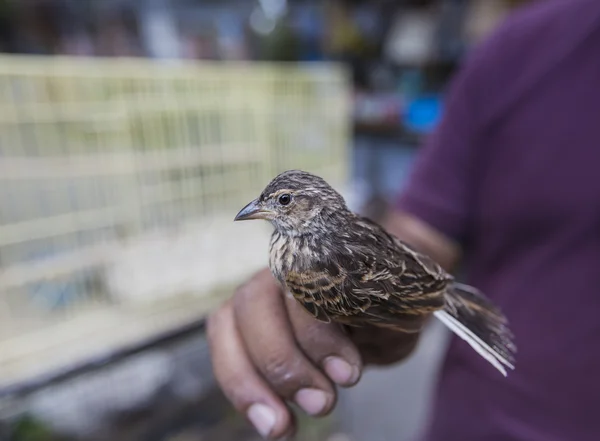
<point>253,210</point>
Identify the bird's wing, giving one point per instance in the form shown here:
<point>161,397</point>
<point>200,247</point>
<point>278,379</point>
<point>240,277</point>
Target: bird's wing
<point>400,280</point>
<point>373,277</point>
<point>323,291</point>
<point>313,289</point>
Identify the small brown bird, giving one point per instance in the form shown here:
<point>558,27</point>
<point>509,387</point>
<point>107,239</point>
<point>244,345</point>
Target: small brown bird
<point>346,268</point>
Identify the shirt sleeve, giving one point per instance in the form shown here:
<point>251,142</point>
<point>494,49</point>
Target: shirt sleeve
<point>440,188</point>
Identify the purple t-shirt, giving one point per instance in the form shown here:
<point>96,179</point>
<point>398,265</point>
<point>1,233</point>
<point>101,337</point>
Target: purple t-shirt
<point>513,174</point>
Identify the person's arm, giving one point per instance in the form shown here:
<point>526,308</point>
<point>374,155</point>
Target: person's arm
<point>423,237</point>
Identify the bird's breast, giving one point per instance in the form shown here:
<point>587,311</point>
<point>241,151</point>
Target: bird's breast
<point>281,255</point>
<point>291,254</point>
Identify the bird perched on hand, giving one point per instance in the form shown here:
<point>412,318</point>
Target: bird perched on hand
<point>345,268</point>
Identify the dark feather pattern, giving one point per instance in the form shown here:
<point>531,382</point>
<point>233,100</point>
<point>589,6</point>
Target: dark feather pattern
<point>345,268</point>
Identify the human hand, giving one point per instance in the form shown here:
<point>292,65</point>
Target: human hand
<point>267,351</point>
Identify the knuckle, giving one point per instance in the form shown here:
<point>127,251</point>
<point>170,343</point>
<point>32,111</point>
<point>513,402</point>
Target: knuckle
<point>323,337</point>
<point>211,324</point>
<point>260,284</point>
<point>249,293</point>
<point>282,372</point>
<point>313,333</point>
<point>216,320</point>
<point>318,342</point>
<point>321,333</point>
<point>243,296</point>
<point>246,292</point>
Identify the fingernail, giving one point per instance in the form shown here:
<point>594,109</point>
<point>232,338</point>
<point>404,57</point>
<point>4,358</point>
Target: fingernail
<point>312,401</point>
<point>340,371</point>
<point>263,418</point>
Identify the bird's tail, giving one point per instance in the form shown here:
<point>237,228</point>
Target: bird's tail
<point>470,315</point>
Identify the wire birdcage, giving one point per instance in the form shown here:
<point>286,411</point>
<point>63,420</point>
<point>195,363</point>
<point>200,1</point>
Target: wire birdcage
<point>119,180</point>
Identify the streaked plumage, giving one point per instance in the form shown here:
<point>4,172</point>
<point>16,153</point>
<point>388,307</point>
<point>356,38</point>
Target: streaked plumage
<point>346,268</point>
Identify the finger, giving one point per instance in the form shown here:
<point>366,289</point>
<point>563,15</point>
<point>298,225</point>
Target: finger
<point>381,346</point>
<point>264,325</point>
<point>326,345</point>
<point>240,382</point>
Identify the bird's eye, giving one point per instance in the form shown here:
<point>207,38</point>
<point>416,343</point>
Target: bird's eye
<point>285,199</point>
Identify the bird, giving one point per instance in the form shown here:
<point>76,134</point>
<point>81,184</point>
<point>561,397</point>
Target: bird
<point>345,268</point>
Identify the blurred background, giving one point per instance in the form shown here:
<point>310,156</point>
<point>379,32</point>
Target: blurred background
<point>132,131</point>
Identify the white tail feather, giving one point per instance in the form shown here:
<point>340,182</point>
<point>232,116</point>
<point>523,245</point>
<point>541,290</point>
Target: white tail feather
<point>475,342</point>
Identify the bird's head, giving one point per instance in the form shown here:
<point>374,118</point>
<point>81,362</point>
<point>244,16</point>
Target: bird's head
<point>296,203</point>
